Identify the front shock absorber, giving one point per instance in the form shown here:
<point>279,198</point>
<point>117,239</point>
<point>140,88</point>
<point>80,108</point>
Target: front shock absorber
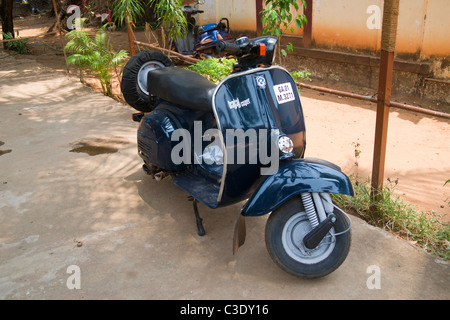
<point>319,230</point>
<point>308,204</point>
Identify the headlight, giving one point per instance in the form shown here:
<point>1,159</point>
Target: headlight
<point>285,144</point>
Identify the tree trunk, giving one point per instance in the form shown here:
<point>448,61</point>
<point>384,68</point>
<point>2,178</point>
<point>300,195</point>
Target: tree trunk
<point>130,35</point>
<point>6,14</point>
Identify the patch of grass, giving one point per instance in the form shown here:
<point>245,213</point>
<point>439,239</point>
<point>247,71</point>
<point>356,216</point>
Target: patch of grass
<point>398,216</point>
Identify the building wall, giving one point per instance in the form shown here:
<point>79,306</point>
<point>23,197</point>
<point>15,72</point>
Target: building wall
<point>355,25</point>
<point>436,34</point>
<point>422,26</point>
<point>343,24</point>
<point>241,13</point>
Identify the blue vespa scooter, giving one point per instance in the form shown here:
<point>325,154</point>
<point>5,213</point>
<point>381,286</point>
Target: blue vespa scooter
<point>201,39</point>
<point>243,140</point>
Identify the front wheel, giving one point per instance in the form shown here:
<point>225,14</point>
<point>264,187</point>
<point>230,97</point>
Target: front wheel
<point>285,230</point>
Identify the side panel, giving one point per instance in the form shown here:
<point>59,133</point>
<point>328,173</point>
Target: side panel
<point>295,177</point>
<point>155,132</point>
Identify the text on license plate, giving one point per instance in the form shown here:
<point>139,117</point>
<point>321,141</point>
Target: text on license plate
<point>284,92</point>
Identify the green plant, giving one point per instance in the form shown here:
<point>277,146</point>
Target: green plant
<point>304,75</point>
<point>214,69</point>
<point>127,9</point>
<point>21,46</point>
<point>277,16</point>
<point>172,17</point>
<point>95,56</point>
<point>398,216</point>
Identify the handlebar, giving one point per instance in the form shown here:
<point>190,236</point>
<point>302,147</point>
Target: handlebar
<point>228,47</point>
<point>250,53</point>
<point>240,47</point>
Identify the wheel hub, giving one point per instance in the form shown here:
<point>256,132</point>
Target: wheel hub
<point>295,229</point>
<point>143,74</point>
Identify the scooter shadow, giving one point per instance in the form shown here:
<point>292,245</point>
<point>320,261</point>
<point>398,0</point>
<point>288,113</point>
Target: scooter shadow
<point>163,197</point>
<point>175,221</point>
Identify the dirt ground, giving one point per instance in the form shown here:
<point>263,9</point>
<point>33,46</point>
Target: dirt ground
<point>134,238</point>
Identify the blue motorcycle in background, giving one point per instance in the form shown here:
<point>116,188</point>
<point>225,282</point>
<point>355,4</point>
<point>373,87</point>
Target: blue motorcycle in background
<point>201,39</point>
<point>242,140</point>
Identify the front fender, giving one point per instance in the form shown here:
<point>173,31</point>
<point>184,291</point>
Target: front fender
<point>295,177</point>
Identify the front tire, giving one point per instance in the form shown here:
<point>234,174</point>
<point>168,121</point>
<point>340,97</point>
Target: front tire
<point>134,79</point>
<point>285,230</point>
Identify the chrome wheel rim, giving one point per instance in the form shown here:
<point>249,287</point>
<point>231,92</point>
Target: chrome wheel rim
<point>295,229</point>
<point>143,73</point>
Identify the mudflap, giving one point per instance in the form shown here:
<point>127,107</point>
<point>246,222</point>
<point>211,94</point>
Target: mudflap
<point>239,233</point>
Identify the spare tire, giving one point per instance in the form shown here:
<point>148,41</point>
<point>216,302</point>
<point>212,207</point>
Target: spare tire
<point>134,78</point>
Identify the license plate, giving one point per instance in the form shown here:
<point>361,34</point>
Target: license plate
<point>284,92</point>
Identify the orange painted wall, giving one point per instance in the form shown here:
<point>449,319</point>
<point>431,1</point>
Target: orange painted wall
<point>436,34</point>
<point>423,25</point>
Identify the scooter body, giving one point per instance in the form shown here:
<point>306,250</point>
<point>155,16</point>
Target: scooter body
<point>201,38</point>
<point>207,36</point>
<point>244,140</point>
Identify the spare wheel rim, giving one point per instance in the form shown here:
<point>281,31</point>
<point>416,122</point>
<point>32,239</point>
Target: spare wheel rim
<point>143,73</point>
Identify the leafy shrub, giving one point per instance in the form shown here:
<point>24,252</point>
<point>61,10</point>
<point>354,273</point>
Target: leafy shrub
<point>21,46</point>
<point>214,69</point>
<point>304,75</point>
<point>95,56</point>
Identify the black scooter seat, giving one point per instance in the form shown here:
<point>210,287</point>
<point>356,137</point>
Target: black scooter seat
<point>184,88</point>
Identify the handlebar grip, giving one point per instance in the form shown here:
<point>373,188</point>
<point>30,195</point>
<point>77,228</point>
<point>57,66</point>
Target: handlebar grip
<point>228,47</point>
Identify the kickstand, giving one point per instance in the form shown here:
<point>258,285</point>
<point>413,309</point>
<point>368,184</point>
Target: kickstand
<point>200,229</point>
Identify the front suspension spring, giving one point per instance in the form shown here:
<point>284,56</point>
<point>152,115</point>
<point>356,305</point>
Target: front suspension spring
<point>308,204</point>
